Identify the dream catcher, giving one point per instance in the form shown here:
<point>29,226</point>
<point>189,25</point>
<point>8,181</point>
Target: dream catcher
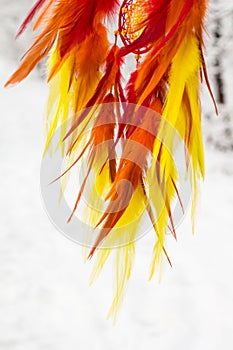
<point>127,131</point>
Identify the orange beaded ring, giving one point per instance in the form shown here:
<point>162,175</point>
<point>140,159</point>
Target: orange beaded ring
<point>131,16</point>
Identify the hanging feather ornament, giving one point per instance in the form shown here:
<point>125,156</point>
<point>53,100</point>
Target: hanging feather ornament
<point>128,132</point>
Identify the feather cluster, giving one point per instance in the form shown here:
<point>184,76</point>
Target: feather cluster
<point>132,127</point>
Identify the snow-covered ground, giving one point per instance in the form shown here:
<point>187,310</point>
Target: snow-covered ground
<point>45,300</point>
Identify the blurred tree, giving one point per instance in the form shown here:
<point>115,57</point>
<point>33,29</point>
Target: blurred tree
<point>219,131</point>
<point>219,81</point>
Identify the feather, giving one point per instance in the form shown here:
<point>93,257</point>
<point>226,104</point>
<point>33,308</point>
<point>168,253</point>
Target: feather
<point>70,22</point>
<point>110,80</point>
<point>132,167</point>
<point>77,79</point>
<point>30,16</point>
<point>100,143</point>
<point>158,106</point>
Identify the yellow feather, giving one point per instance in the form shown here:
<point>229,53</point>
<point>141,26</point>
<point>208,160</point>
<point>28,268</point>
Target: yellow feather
<point>184,78</point>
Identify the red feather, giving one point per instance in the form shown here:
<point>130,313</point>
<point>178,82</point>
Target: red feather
<point>30,16</point>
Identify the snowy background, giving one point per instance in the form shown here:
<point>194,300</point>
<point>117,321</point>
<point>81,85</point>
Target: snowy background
<point>45,300</point>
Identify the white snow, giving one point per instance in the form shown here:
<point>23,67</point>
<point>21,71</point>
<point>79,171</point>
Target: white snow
<point>45,300</point>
